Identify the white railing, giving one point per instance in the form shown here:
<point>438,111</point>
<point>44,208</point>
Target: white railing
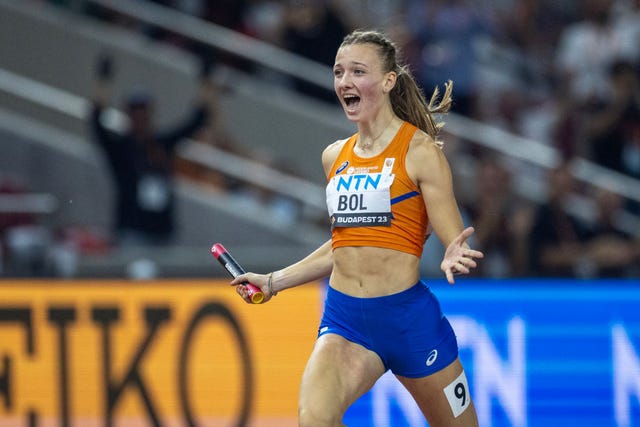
<point>28,203</point>
<point>254,173</point>
<point>536,153</point>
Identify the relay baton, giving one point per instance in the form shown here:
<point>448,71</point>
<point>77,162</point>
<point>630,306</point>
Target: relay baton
<point>234,269</point>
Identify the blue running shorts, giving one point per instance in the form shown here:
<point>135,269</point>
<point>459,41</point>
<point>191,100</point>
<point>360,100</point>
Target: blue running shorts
<point>407,330</point>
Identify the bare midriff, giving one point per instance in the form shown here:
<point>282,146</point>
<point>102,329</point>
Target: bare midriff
<point>366,272</point>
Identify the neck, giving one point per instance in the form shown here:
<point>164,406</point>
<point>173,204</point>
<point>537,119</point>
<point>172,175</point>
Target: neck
<point>368,137</point>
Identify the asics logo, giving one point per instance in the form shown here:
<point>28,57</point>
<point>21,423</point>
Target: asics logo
<point>432,357</point>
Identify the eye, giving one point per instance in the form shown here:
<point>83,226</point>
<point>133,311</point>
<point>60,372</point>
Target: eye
<point>337,73</point>
<point>358,71</point>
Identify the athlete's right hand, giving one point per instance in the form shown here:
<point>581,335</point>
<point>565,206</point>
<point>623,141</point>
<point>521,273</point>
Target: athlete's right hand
<point>258,280</point>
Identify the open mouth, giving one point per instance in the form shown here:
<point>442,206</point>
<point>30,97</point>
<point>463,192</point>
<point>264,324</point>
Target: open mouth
<point>351,101</point>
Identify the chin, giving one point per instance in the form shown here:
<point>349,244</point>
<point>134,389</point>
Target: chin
<point>353,117</point>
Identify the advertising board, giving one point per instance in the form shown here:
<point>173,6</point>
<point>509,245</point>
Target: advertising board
<point>190,353</point>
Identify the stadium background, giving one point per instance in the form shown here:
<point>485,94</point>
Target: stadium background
<point>92,334</point>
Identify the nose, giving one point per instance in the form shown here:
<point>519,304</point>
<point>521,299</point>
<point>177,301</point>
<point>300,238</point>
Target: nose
<point>344,81</point>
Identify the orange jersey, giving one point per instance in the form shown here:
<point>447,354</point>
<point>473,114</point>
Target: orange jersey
<point>373,202</point>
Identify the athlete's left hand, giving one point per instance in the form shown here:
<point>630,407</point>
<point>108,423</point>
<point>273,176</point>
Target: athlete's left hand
<point>459,258</point>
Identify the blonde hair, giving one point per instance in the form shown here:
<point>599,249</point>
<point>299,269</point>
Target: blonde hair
<point>407,99</point>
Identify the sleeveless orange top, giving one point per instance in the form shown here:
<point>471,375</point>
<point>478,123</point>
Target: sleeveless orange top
<point>373,202</point>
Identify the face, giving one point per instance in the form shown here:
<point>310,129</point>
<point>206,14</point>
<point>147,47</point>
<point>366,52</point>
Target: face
<point>360,83</point>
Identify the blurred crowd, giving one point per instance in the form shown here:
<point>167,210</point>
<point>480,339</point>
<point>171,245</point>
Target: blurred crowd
<point>562,72</point>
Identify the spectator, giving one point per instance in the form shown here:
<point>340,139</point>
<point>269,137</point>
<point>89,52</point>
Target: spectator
<point>630,155</point>
<point>312,29</point>
<point>23,241</point>
<point>586,49</point>
<point>557,238</point>
<point>530,28</point>
<point>492,210</point>
<point>446,32</point>
<point>264,20</point>
<point>627,27</point>
<point>604,130</point>
<point>614,253</point>
<point>227,13</point>
<point>562,245</point>
<point>141,161</point>
<point>230,14</point>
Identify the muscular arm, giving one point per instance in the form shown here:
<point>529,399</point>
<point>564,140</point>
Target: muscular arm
<point>428,167</point>
<point>317,265</point>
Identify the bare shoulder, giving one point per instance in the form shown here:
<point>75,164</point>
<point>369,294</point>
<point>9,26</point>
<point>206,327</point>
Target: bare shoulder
<point>330,154</point>
<point>425,158</point>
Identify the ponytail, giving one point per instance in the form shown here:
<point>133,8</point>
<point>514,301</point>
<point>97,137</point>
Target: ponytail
<point>410,105</point>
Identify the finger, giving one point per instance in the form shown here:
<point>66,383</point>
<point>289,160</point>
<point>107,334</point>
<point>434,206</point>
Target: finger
<point>449,275</point>
<point>474,254</point>
<point>468,262</point>
<point>461,269</point>
<point>467,232</point>
<point>462,237</point>
<point>241,278</point>
<point>242,291</point>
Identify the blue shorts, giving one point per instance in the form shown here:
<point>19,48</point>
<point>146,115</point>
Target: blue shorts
<point>407,330</point>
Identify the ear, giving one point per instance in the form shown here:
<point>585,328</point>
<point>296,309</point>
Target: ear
<point>389,81</point>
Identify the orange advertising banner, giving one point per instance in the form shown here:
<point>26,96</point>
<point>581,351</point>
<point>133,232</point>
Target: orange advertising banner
<point>171,353</point>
